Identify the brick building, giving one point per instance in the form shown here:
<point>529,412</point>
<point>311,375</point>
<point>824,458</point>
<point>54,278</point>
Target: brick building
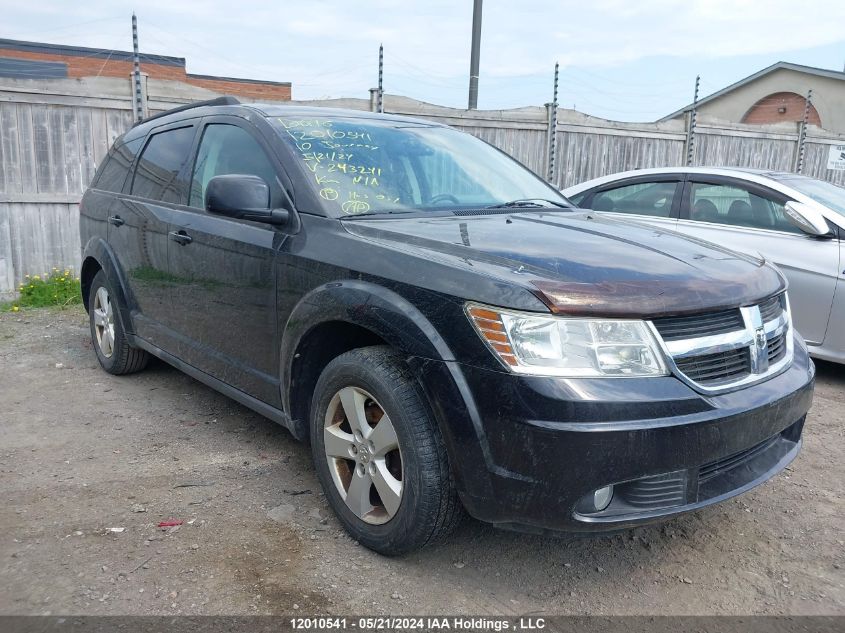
<point>778,94</point>
<point>36,60</point>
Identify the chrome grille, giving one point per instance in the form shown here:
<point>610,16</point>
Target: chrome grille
<point>677,328</point>
<point>777,348</point>
<point>771,308</point>
<point>717,368</point>
<point>720,350</point>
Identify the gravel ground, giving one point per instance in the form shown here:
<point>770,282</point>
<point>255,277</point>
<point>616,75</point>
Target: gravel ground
<point>91,463</point>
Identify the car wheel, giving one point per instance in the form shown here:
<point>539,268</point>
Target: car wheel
<point>379,454</point>
<point>115,354</point>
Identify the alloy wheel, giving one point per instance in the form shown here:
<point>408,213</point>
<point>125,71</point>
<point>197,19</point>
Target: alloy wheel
<point>104,321</point>
<point>363,454</point>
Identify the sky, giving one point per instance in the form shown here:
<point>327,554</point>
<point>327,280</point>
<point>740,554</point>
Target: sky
<point>627,60</point>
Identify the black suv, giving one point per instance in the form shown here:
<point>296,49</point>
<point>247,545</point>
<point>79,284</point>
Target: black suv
<point>441,325</point>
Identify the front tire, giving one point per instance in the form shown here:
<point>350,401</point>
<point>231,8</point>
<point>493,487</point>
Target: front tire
<point>113,351</point>
<point>379,454</point>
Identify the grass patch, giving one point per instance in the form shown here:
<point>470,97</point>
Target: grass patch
<point>59,288</point>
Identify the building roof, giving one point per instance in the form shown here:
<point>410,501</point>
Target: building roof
<point>810,70</point>
<point>34,68</point>
<point>84,51</point>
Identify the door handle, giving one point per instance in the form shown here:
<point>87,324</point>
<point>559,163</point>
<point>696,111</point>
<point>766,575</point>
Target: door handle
<point>116,220</point>
<point>180,237</point>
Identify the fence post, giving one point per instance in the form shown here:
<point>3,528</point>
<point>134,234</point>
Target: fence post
<point>693,115</point>
<point>550,176</point>
<point>550,132</point>
<point>802,133</point>
<point>380,94</point>
<point>139,105</point>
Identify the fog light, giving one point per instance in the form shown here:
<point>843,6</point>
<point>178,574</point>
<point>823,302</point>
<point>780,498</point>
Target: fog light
<point>595,501</point>
<point>602,498</point>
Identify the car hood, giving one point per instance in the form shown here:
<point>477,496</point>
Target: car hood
<point>582,263</point>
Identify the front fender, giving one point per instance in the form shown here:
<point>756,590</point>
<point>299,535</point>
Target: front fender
<point>365,304</point>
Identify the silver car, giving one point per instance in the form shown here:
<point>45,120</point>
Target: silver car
<point>794,221</point>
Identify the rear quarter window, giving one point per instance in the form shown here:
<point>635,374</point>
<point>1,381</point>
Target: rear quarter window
<point>115,168</point>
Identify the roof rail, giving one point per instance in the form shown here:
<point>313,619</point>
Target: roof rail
<point>219,101</point>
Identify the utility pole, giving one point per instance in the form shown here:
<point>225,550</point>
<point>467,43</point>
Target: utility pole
<point>693,116</point>
<point>475,55</point>
<point>802,132</point>
<point>380,94</point>
<point>136,74</point>
<point>553,130</point>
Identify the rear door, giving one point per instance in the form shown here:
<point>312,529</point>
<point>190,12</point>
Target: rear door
<point>139,223</point>
<point>749,218</point>
<point>226,294</point>
<point>654,199</point>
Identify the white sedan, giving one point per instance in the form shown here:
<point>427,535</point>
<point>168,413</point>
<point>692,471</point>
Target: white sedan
<point>794,221</point>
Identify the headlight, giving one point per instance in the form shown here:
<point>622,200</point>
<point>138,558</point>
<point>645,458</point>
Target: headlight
<point>529,343</point>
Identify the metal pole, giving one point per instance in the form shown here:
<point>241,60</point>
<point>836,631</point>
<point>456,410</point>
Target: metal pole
<point>475,55</point>
<point>802,133</point>
<point>380,96</point>
<point>136,58</point>
<point>553,131</point>
<point>693,116</point>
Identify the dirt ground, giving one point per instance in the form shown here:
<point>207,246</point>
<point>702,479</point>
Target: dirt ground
<point>83,452</point>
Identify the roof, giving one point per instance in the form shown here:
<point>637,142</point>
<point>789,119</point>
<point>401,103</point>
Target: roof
<point>84,51</point>
<point>747,173</point>
<point>238,80</point>
<point>810,70</point>
<point>43,70</point>
<point>230,105</point>
<point>329,113</point>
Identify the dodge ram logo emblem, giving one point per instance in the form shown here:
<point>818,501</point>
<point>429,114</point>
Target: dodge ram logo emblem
<point>760,350</point>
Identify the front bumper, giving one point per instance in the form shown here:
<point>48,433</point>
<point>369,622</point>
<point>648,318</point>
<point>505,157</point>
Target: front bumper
<point>525,450</point>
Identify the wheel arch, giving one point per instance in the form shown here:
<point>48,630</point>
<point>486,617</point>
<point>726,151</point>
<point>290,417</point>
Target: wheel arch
<point>336,318</point>
<point>98,255</point>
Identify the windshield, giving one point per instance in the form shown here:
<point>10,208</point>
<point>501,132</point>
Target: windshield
<point>360,165</point>
<point>829,195</point>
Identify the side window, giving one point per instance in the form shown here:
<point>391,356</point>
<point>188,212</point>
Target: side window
<point>228,149</point>
<point>116,166</point>
<point>645,198</point>
<point>726,204</point>
<point>159,174</point>
<point>578,198</point>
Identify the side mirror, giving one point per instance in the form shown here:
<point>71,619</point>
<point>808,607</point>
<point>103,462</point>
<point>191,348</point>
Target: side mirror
<point>806,218</point>
<point>242,196</point>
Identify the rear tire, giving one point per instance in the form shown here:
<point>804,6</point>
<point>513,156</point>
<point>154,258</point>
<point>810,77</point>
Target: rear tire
<point>389,484</point>
<point>113,351</point>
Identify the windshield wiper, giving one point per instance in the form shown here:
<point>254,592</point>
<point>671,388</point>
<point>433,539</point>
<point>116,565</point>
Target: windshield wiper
<point>530,203</point>
<point>369,214</point>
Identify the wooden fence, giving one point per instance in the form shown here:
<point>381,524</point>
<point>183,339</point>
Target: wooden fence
<point>53,133</point>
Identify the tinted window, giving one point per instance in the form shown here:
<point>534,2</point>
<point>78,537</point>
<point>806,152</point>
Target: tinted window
<point>228,149</point>
<point>724,204</point>
<point>116,166</point>
<point>578,198</point>
<point>645,198</point>
<point>159,174</point>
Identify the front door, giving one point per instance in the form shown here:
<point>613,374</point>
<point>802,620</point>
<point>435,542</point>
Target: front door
<point>226,296</point>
